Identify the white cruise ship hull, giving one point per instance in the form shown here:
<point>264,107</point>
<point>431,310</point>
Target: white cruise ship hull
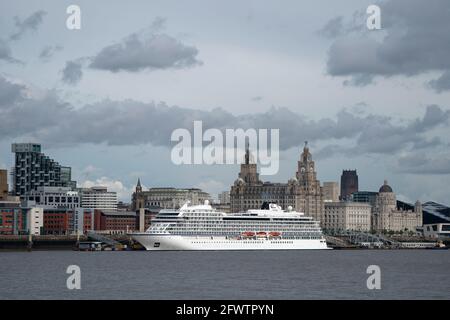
<point>172,242</point>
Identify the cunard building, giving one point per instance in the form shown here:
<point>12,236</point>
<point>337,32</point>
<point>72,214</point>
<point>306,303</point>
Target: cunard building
<point>303,192</point>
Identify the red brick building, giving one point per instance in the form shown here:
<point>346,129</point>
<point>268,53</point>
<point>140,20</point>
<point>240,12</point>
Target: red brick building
<point>65,221</point>
<point>58,221</point>
<point>13,219</point>
<point>87,221</point>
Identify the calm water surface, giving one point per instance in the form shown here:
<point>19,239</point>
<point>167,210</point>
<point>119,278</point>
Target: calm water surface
<point>333,274</point>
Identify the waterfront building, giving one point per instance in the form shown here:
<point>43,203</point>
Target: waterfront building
<point>122,206</point>
<point>435,213</point>
<point>349,183</point>
<point>167,198</point>
<point>58,221</point>
<point>303,192</point>
<point>83,220</point>
<point>12,217</point>
<point>52,197</point>
<point>46,220</point>
<point>98,198</point>
<point>387,216</point>
<point>3,184</point>
<point>364,196</point>
<point>347,216</point>
<point>66,221</point>
<point>115,221</point>
<point>33,169</point>
<point>436,230</point>
<point>331,191</point>
<point>35,220</point>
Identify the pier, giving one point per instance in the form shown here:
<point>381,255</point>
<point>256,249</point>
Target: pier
<point>62,242</point>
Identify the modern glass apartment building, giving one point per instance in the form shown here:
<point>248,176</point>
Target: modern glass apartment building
<point>33,169</point>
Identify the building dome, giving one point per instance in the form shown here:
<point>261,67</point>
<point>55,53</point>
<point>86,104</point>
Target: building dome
<point>385,187</point>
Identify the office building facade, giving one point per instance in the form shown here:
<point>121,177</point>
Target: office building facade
<point>347,216</point>
<point>13,220</point>
<point>53,197</point>
<point>98,198</point>
<point>35,220</point>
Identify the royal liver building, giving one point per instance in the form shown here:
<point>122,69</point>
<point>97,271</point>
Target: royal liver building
<point>303,192</point>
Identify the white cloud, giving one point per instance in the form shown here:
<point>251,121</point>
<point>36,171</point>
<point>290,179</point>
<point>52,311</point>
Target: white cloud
<point>123,192</point>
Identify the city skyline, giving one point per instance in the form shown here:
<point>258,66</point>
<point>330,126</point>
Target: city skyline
<point>73,185</point>
<point>386,119</point>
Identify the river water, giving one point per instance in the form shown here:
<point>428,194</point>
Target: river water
<point>329,274</point>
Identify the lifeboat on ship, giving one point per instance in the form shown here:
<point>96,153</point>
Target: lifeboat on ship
<point>261,234</point>
<point>248,234</point>
<point>274,234</point>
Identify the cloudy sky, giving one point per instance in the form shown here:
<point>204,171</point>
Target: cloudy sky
<point>105,99</point>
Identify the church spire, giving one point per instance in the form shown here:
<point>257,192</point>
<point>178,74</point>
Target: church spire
<point>138,185</point>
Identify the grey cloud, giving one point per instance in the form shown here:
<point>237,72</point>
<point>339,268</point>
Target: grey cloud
<point>72,72</point>
<point>442,83</point>
<point>131,122</point>
<point>32,22</point>
<point>433,117</point>
<point>257,99</point>
<point>5,52</point>
<point>415,42</point>
<point>26,116</point>
<point>360,80</point>
<point>158,24</point>
<point>48,51</point>
<point>152,51</point>
<point>428,143</point>
<point>10,93</point>
<point>333,28</point>
<point>423,164</point>
<point>380,135</point>
<point>383,136</point>
<point>148,49</point>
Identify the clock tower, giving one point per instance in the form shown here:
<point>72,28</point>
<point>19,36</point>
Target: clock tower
<point>306,172</point>
<point>309,194</point>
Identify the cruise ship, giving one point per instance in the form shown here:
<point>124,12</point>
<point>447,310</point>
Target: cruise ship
<point>201,227</point>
